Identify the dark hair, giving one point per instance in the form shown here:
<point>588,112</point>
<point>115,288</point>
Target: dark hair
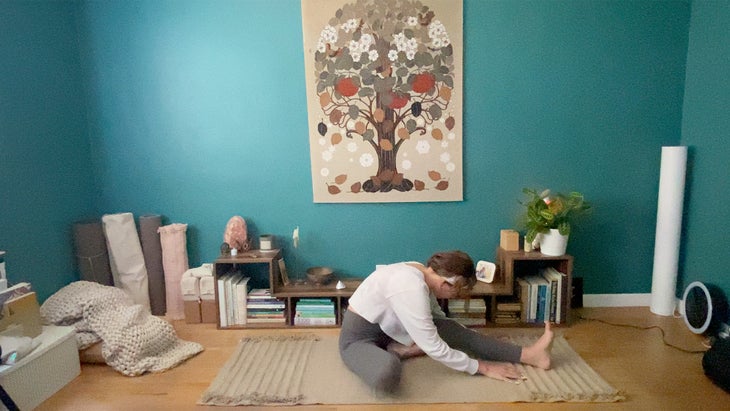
<point>450,263</point>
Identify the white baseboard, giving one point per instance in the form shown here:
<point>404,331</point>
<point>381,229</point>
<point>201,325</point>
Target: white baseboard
<point>616,300</point>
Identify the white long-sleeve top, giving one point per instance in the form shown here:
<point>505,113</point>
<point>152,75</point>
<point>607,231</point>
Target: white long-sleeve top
<point>397,298</point>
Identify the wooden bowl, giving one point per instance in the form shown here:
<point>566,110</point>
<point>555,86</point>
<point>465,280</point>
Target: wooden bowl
<point>320,275</point>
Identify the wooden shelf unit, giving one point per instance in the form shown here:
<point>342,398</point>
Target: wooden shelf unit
<point>290,293</point>
<point>514,264</point>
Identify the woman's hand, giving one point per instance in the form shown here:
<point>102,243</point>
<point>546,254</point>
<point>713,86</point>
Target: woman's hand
<point>503,371</point>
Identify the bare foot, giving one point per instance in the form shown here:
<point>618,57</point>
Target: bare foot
<point>403,351</point>
<point>538,354</point>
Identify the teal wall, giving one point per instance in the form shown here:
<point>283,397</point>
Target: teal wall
<point>705,129</point>
<point>45,169</point>
<point>196,110</point>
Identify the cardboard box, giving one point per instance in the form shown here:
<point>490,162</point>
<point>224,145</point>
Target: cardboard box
<point>509,240</point>
<point>192,311</point>
<point>208,311</point>
<point>44,371</point>
<point>23,312</point>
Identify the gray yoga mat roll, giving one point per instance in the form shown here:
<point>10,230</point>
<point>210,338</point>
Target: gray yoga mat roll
<point>152,252</point>
<point>92,256</point>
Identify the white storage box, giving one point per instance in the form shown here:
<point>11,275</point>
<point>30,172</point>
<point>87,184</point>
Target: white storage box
<point>44,371</point>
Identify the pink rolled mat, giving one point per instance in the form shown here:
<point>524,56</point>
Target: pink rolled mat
<point>175,263</point>
<point>152,252</point>
<point>92,257</point>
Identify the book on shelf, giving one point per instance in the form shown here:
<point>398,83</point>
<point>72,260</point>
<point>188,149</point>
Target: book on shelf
<point>314,311</point>
<point>559,285</point>
<point>523,293</point>
<point>466,306</point>
<point>538,296</point>
<point>542,296</point>
<point>240,291</point>
<point>509,306</point>
<point>267,320</point>
<point>263,307</point>
<point>300,320</point>
<point>232,289</point>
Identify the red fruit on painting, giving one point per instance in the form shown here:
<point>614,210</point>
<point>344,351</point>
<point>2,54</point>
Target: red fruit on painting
<point>346,87</point>
<point>398,100</point>
<point>423,82</point>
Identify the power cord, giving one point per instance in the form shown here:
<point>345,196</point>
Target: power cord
<point>664,337</point>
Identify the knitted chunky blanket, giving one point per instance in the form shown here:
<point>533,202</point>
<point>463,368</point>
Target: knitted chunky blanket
<point>133,340</point>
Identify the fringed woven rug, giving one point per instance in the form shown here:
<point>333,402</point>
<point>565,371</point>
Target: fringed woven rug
<point>306,369</point>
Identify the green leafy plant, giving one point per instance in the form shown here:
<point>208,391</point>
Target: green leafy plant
<point>544,211</point>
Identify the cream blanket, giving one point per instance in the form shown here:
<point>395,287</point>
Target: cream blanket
<point>133,340</point>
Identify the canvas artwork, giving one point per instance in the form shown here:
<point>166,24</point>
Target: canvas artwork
<point>384,98</point>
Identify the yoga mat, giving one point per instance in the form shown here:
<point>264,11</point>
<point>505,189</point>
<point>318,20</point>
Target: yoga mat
<point>152,251</point>
<point>92,257</point>
<point>175,263</point>
<point>668,230</point>
<point>307,369</point>
<point>125,257</point>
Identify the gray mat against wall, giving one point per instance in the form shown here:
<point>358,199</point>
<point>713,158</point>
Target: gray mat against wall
<point>92,257</point>
<point>152,252</point>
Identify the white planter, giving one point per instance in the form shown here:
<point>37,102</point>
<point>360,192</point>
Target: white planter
<point>553,243</point>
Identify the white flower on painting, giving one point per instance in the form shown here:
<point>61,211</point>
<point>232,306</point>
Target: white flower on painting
<point>322,141</point>
<point>451,136</point>
<point>406,164</point>
<point>324,172</point>
<point>444,144</point>
<point>423,147</point>
<point>328,35</point>
<point>350,25</point>
<point>437,33</point>
<point>445,157</point>
<point>420,122</point>
<point>326,155</point>
<point>412,20</point>
<point>366,160</point>
<point>373,55</point>
<point>352,147</point>
<point>393,55</point>
<point>450,167</point>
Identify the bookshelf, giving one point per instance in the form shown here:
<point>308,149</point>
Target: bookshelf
<point>521,264</point>
<point>504,291</point>
<point>268,275</point>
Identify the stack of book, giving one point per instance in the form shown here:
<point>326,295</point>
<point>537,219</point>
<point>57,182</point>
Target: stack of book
<point>263,307</point>
<point>232,290</point>
<point>542,296</point>
<point>472,311</point>
<point>315,311</point>
<point>508,312</point>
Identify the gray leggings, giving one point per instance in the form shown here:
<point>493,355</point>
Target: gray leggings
<point>363,349</point>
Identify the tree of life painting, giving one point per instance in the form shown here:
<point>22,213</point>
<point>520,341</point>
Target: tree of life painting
<point>384,99</point>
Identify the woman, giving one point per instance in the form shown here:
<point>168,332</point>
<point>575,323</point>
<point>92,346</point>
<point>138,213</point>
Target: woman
<point>394,315</point>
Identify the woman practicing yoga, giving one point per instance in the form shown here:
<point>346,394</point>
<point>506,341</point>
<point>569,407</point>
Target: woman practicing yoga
<point>394,315</point>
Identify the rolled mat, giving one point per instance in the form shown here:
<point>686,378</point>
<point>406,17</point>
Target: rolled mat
<point>92,257</point>
<point>125,257</point>
<point>152,251</point>
<point>175,263</point>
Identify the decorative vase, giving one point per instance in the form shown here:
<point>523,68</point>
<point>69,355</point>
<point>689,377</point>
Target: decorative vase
<point>553,243</point>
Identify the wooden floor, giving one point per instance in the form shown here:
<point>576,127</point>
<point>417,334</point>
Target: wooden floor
<point>652,375</point>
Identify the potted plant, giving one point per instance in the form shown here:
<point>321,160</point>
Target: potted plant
<point>550,217</point>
